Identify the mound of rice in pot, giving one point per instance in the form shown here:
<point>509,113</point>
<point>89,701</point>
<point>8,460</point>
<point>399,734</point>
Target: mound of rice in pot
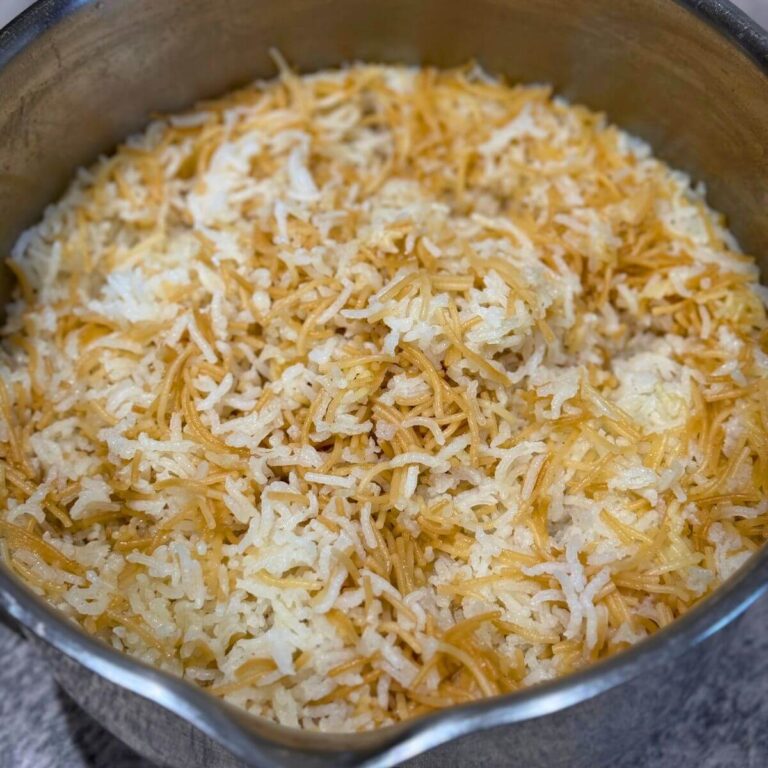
<point>356,395</point>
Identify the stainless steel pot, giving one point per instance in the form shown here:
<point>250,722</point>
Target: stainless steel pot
<point>689,76</point>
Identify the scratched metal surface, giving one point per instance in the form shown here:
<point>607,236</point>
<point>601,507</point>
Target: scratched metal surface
<point>721,726</point>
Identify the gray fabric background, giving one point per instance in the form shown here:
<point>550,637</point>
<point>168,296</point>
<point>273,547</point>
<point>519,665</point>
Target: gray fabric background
<point>723,725</point>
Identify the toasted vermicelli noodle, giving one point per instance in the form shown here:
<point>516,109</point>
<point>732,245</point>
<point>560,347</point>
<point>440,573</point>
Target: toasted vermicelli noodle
<point>355,395</point>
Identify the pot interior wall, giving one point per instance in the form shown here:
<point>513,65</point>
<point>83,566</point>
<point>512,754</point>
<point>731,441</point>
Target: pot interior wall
<point>97,74</point>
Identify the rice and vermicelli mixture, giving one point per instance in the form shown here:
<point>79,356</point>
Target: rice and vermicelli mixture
<point>352,396</point>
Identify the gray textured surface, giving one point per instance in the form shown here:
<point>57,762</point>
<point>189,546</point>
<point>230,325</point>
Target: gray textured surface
<point>757,8</point>
<point>723,724</point>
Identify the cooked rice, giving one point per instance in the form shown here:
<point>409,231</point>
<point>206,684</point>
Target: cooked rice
<point>355,395</point>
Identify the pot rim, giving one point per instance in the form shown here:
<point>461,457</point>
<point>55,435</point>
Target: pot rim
<point>258,741</point>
